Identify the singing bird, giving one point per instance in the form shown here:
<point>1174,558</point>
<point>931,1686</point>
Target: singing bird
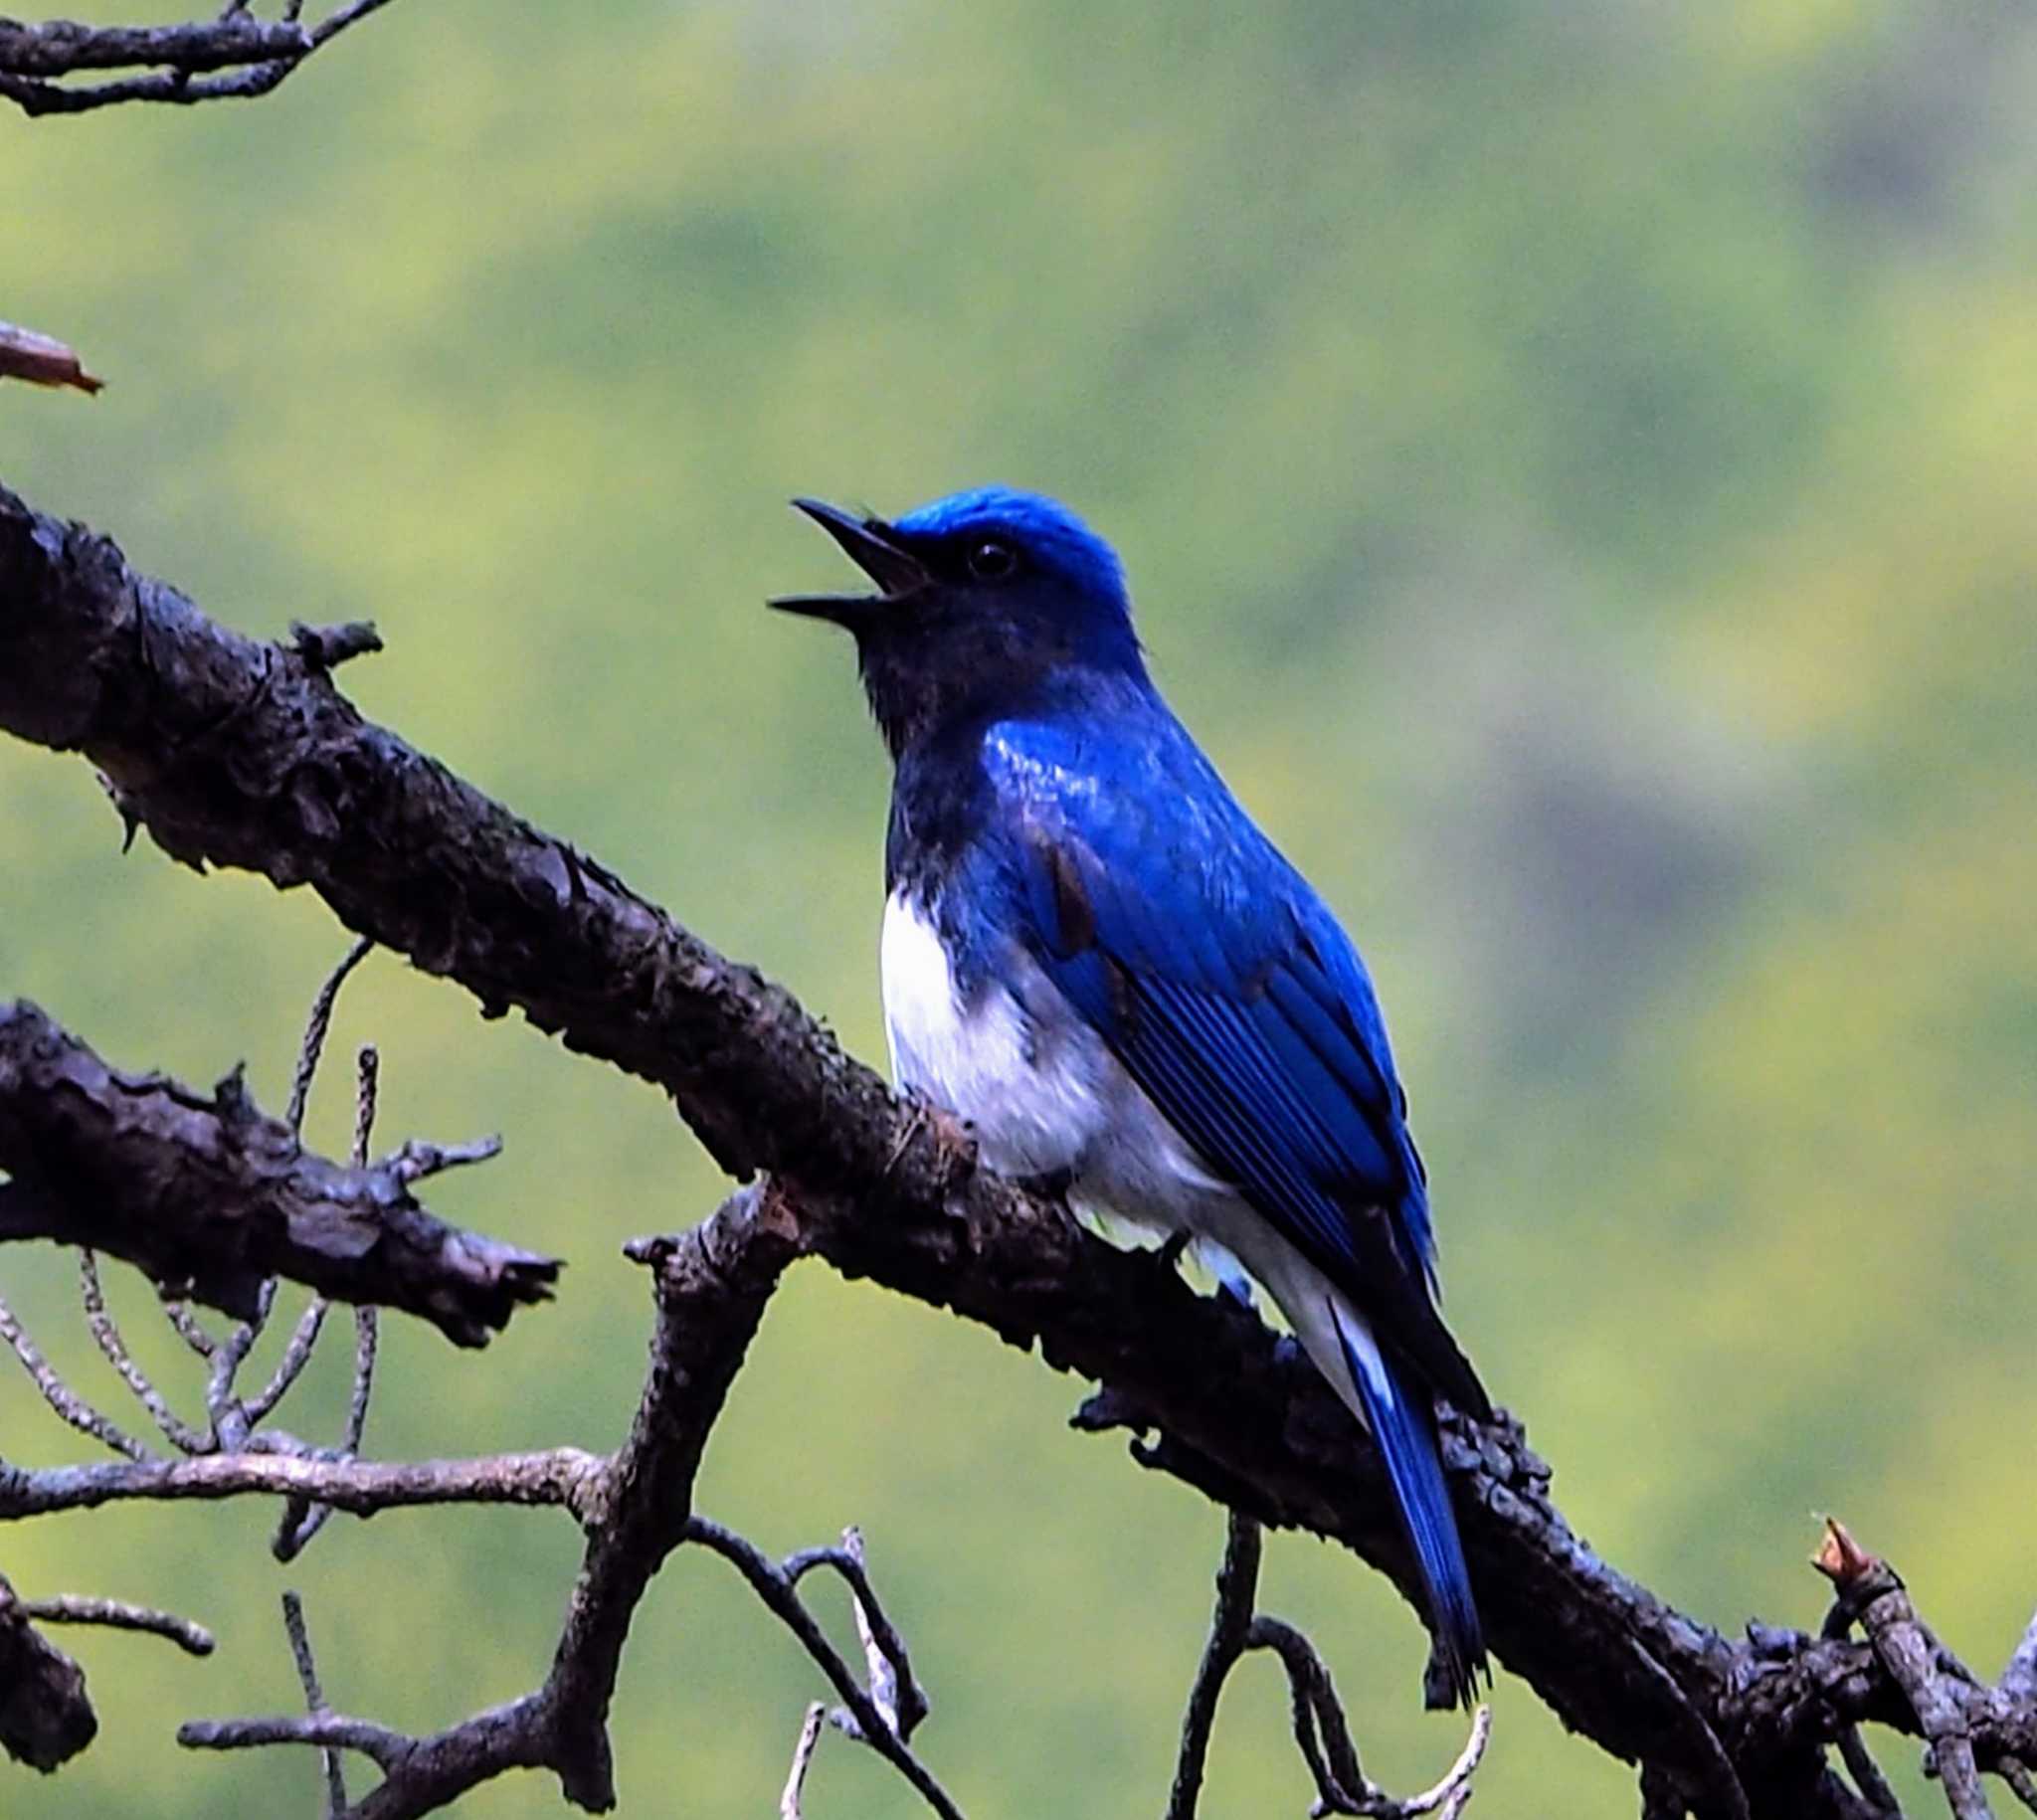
<point>1093,957</point>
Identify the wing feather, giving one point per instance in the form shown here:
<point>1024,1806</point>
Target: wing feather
<point>1230,995</point>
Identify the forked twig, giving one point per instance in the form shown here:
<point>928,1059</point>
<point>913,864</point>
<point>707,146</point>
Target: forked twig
<point>61,1398</point>
<point>1321,1730</point>
<point>777,1584</point>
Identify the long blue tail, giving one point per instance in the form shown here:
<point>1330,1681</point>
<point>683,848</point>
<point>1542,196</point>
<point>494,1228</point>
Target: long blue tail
<point>1404,1426</point>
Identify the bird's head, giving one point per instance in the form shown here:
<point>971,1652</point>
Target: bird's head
<point>986,603</point>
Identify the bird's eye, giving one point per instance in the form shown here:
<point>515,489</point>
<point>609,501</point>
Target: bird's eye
<point>992,560</point>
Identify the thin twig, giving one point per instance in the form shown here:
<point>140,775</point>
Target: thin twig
<point>118,1614</point>
<point>61,1398</point>
<point>774,1584</point>
<point>1238,1580</point>
<point>414,1158</point>
<point>300,1522</point>
<point>1321,1731</point>
<point>232,1415</point>
<point>894,1688</point>
<point>802,1760</point>
<point>314,1698</point>
<point>882,1670</point>
<point>190,1328</point>
<point>316,1027</point>
<point>325,1731</point>
<point>1867,1774</point>
<point>297,1354</point>
<point>179,1433</point>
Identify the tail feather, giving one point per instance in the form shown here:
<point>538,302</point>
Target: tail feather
<point>1403,1423</point>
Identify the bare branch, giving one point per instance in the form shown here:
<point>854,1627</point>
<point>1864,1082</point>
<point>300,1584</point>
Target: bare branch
<point>2021,1785</point>
<point>235,751</point>
<point>775,1585</point>
<point>207,1191</point>
<point>41,359</point>
<point>1321,1731</point>
<point>1867,1774</point>
<point>711,1286</point>
<point>802,1760</point>
<point>46,1718</point>
<point>297,1354</point>
<point>884,1659</point>
<point>117,1615</point>
<point>299,1522</point>
<point>327,1732</point>
<point>894,1691</point>
<point>179,1433</point>
<point>312,1046</point>
<point>233,55</point>
<point>1871,1593</point>
<point>60,1396</point>
<point>314,1696</point>
<point>561,1477</point>
<point>1238,1581</point>
<point>2019,1678</point>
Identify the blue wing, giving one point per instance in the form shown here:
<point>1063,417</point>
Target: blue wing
<point>1229,991</point>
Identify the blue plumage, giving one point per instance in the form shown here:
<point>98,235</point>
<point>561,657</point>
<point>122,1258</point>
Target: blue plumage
<point>1094,954</point>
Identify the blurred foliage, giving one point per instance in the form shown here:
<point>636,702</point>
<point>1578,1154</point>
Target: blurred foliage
<point>1574,468</point>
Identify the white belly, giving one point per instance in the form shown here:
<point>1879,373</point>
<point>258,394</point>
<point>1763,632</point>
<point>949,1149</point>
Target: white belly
<point>1037,1085</point>
<point>1042,1094</point>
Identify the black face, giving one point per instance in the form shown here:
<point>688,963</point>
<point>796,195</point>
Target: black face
<point>981,603</point>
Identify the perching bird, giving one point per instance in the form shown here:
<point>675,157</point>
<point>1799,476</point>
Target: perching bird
<point>1092,956</point>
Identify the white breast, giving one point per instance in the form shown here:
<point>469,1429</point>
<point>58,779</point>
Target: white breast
<point>1036,1083</point>
<point>1030,1102</point>
<point>1042,1093</point>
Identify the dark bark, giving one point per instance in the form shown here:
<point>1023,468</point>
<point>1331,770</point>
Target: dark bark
<point>46,1718</point>
<point>235,751</point>
<point>209,1195</point>
<point>61,47</point>
<point>233,53</point>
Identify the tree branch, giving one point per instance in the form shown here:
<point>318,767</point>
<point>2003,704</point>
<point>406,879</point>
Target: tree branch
<point>233,55</point>
<point>235,751</point>
<point>208,1195</point>
<point>710,1286</point>
<point>46,1718</point>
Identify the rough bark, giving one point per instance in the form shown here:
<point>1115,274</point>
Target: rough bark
<point>46,1718</point>
<point>209,1195</point>
<point>235,751</point>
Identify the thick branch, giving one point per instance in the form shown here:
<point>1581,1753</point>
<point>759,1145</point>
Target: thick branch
<point>210,1197</point>
<point>46,1718</point>
<point>238,752</point>
<point>710,1296</point>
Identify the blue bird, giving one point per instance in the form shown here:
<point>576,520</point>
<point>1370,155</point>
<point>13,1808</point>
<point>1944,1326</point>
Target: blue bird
<point>1092,956</point>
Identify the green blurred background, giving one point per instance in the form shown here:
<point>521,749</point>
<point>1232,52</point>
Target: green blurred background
<point>1575,467</point>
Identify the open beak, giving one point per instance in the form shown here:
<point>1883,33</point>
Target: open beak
<point>871,545</point>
